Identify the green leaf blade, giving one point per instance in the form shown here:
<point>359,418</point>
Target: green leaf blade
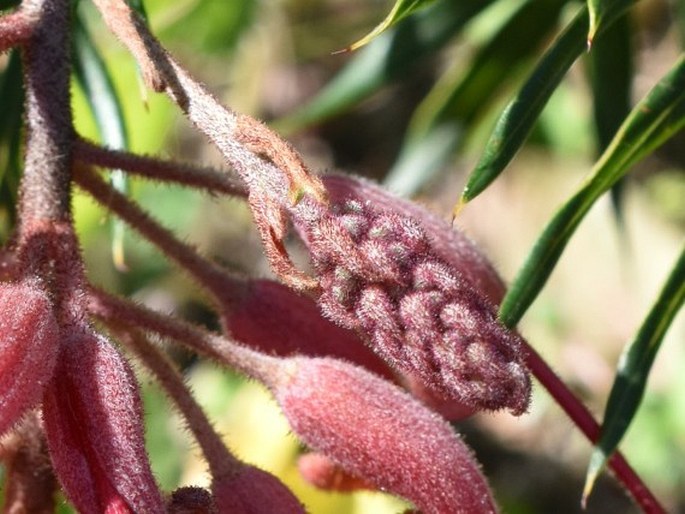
<point>399,11</point>
<point>634,369</point>
<point>656,118</point>
<point>458,103</point>
<point>518,118</point>
<point>391,56</point>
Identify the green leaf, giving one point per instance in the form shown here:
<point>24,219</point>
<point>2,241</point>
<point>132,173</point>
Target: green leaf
<point>455,104</point>
<point>399,11</point>
<point>391,56</point>
<point>633,371</point>
<point>659,115</point>
<point>611,72</point>
<point>104,103</point>
<point>520,115</point>
<point>602,12</point>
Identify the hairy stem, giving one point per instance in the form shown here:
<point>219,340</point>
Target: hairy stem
<point>44,190</point>
<point>204,178</point>
<point>111,309</point>
<point>15,29</point>
<point>221,461</point>
<point>210,276</point>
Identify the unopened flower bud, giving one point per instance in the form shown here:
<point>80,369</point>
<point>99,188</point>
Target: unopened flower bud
<point>94,427</point>
<point>191,500</point>
<point>272,318</point>
<point>379,433</point>
<point>424,314</point>
<point>28,348</point>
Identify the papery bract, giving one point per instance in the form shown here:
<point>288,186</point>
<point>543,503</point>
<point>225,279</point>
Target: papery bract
<point>94,427</point>
<point>253,491</point>
<point>28,348</point>
<point>381,434</point>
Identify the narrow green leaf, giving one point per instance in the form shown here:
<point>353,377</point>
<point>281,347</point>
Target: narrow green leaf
<point>611,72</point>
<point>391,56</point>
<point>456,104</point>
<point>633,371</point>
<point>519,117</point>
<point>659,115</point>
<point>399,11</point>
<point>97,84</point>
<point>601,12</point>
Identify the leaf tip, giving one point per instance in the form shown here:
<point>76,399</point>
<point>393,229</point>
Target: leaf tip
<point>597,462</point>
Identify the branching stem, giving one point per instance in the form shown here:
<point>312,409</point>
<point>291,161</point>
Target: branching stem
<point>45,186</point>
<point>204,178</point>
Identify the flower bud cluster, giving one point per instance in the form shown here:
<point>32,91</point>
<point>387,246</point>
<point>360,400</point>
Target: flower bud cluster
<point>380,274</point>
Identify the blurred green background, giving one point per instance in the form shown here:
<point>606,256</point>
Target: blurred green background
<point>270,59</point>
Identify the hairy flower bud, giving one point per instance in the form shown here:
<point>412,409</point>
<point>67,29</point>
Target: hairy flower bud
<point>382,274</point>
<point>379,433</point>
<point>94,427</point>
<point>28,348</point>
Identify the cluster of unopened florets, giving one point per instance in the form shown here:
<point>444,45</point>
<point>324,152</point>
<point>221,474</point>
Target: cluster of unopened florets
<point>379,275</point>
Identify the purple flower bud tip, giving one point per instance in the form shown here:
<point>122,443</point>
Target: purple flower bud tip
<point>379,433</point>
<point>28,348</point>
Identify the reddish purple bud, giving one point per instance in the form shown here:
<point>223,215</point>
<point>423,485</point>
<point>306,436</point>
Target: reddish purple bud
<point>274,319</point>
<point>320,471</point>
<point>379,433</point>
<point>28,348</point>
<point>382,274</point>
<point>191,500</point>
<point>253,491</point>
<point>94,427</point>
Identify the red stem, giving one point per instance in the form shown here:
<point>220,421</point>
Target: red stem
<point>208,275</point>
<point>582,418</point>
<point>15,29</point>
<point>221,461</point>
<point>209,179</point>
<point>111,309</point>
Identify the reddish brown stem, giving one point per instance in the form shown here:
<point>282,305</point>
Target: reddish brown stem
<point>208,179</point>
<point>44,190</point>
<point>221,461</point>
<point>15,29</point>
<point>582,418</point>
<point>111,309</point>
<point>208,275</point>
